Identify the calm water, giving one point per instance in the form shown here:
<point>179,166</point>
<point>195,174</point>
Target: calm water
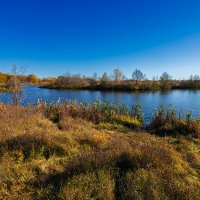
<point>184,100</point>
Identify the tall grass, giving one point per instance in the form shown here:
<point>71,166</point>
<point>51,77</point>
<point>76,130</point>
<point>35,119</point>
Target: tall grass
<point>96,112</point>
<point>167,121</point>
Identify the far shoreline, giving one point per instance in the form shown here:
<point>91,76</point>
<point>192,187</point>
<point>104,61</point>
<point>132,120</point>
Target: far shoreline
<point>117,90</point>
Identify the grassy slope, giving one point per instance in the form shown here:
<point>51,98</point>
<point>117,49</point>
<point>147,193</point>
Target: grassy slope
<point>80,160</point>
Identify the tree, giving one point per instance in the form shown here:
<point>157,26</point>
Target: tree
<point>196,78</point>
<point>165,81</point>
<point>3,78</point>
<point>165,77</point>
<point>155,84</point>
<point>95,76</point>
<point>194,81</point>
<point>138,76</point>
<point>93,80</point>
<point>118,75</point>
<point>32,79</point>
<point>15,85</point>
<point>105,79</point>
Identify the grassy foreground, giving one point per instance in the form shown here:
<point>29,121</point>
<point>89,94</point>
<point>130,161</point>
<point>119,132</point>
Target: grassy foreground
<point>69,156</point>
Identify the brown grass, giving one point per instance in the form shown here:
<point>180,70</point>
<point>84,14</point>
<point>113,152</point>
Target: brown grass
<point>77,159</point>
<point>166,121</point>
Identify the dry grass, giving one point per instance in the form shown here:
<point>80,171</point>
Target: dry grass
<point>167,121</point>
<point>96,112</point>
<point>77,159</point>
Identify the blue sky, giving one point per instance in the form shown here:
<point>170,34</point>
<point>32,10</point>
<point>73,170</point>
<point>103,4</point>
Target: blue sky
<point>53,37</point>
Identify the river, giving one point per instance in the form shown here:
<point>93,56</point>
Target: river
<point>184,100</point>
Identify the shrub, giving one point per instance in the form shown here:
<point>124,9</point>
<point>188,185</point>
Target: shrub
<point>166,121</point>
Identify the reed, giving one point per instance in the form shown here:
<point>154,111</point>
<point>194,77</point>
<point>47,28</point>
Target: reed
<point>97,112</point>
<point>168,121</point>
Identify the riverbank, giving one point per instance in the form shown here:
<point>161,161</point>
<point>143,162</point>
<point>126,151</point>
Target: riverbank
<point>127,86</point>
<point>71,152</point>
<point>118,82</point>
<point>183,100</point>
<point>110,89</point>
<point>4,89</point>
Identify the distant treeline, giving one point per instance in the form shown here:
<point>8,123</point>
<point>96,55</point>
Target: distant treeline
<point>117,81</point>
<point>7,80</point>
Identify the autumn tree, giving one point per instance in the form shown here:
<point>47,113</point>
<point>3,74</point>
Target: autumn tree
<point>3,78</point>
<point>32,78</point>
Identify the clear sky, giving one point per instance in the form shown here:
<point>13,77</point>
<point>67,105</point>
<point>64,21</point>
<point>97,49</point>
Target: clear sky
<point>52,37</point>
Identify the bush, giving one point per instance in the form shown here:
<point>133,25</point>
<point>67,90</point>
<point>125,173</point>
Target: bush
<point>166,121</point>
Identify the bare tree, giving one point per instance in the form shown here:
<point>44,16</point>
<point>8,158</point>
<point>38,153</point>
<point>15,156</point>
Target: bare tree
<point>15,85</point>
<point>138,76</point>
<point>196,78</point>
<point>104,81</point>
<point>95,76</point>
<point>165,80</point>
<point>118,75</point>
<point>165,77</point>
<point>194,81</point>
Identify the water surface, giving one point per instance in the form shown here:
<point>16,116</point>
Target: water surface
<point>184,100</point>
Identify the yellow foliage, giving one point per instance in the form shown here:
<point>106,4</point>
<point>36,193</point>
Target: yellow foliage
<point>128,121</point>
<point>2,107</point>
<point>101,139</point>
